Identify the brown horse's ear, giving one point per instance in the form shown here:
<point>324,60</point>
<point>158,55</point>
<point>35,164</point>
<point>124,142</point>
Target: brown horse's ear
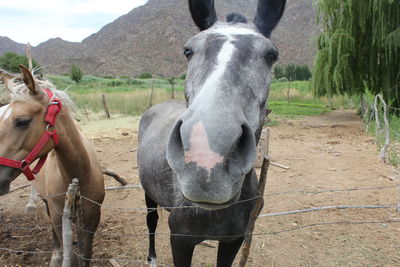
<point>6,77</point>
<point>29,81</point>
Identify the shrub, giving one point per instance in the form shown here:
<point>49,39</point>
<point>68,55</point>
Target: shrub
<point>114,83</point>
<point>145,75</point>
<point>11,61</point>
<point>75,73</point>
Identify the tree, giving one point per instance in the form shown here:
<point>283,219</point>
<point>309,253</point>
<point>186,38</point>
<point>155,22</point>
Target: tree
<point>293,72</point>
<point>359,48</point>
<point>279,72</point>
<point>10,62</point>
<point>75,73</point>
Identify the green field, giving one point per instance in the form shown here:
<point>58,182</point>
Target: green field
<point>129,96</point>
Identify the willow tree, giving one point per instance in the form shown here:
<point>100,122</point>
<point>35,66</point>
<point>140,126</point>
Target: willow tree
<point>359,48</point>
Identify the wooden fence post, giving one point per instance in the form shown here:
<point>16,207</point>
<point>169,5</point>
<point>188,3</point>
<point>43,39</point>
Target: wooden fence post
<point>376,111</point>
<point>255,212</point>
<point>259,202</point>
<point>67,222</point>
<point>387,130</point>
<point>103,101</point>
<point>151,94</point>
<point>262,148</point>
<point>28,52</point>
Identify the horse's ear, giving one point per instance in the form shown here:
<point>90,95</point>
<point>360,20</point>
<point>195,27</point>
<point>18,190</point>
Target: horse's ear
<point>28,79</point>
<point>269,13</point>
<point>6,77</point>
<point>203,13</point>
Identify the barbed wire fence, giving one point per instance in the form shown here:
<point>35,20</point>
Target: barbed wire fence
<point>68,232</point>
<point>73,195</point>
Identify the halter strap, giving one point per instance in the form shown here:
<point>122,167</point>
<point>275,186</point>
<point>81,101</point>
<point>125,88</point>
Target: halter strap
<point>54,107</point>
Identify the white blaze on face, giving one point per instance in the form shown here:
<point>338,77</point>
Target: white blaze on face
<point>5,112</point>
<point>230,31</point>
<point>208,90</point>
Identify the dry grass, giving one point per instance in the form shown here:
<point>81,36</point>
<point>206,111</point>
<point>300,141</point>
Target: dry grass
<point>126,103</point>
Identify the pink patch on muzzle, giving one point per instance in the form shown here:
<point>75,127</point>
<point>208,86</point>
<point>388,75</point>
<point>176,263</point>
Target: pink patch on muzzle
<point>200,152</point>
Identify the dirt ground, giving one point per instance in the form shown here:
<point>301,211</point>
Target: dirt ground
<point>326,152</point>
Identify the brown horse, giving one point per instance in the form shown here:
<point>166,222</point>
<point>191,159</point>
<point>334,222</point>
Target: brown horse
<point>22,124</point>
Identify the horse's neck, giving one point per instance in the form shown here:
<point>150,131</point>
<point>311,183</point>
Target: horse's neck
<point>72,155</point>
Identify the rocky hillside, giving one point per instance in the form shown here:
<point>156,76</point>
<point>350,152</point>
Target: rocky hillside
<point>8,45</point>
<point>150,39</point>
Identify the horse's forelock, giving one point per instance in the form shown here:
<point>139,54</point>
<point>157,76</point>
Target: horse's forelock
<point>19,91</point>
<point>236,18</point>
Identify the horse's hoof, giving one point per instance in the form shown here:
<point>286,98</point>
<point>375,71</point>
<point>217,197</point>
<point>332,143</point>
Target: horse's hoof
<point>30,208</point>
<point>152,261</point>
<point>56,259</point>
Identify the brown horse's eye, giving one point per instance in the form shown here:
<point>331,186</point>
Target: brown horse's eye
<point>22,123</point>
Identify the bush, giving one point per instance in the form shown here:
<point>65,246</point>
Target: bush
<point>11,61</point>
<point>75,73</point>
<point>145,75</point>
<point>134,82</point>
<point>293,72</point>
<point>114,83</point>
<point>183,76</point>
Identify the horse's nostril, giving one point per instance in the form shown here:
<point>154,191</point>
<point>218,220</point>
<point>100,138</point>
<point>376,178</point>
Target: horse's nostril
<point>243,154</point>
<point>175,148</point>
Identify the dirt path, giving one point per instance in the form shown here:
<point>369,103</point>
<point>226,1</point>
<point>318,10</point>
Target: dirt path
<point>327,152</point>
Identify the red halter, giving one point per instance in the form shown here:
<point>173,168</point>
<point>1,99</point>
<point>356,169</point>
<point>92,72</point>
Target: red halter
<point>53,109</point>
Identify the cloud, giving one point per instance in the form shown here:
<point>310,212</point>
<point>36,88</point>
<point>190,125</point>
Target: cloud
<point>72,20</point>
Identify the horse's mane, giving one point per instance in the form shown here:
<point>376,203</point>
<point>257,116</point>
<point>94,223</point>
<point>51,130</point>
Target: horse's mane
<point>18,91</point>
<point>236,18</point>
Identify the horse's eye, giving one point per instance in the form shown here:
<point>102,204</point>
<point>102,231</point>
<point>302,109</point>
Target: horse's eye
<point>188,53</point>
<point>272,56</point>
<point>22,123</point>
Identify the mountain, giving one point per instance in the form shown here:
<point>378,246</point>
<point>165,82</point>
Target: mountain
<point>8,45</point>
<point>150,39</point>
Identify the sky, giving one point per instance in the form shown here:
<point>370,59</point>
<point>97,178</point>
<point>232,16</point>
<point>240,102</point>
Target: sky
<point>36,21</point>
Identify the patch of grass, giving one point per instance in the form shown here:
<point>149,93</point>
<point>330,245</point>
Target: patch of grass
<point>127,103</point>
<point>93,84</point>
<point>302,109</point>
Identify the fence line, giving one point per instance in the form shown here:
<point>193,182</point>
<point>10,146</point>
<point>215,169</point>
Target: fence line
<point>241,235</point>
<point>339,207</point>
<point>128,260</point>
<point>246,200</point>
<point>234,236</point>
<point>296,228</point>
<point>311,192</point>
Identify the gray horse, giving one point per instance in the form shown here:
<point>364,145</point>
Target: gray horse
<point>196,158</point>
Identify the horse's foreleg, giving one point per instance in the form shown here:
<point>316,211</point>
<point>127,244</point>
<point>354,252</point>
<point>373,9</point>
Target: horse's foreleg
<point>56,225</point>
<point>227,252</point>
<point>91,218</point>
<point>182,250</point>
<point>33,200</point>
<point>152,219</point>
